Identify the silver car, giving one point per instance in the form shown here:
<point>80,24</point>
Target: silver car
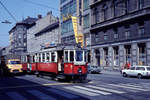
<point>94,69</point>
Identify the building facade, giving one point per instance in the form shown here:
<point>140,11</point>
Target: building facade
<point>18,36</point>
<point>42,33</point>
<point>120,32</point>
<point>79,9</point>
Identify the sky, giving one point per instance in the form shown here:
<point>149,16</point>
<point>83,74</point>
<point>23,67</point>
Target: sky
<point>22,9</point>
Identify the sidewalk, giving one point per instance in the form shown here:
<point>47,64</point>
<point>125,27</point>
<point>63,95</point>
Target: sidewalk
<point>112,72</point>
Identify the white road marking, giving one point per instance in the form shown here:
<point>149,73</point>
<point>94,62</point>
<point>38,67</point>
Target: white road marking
<point>15,95</point>
<point>62,93</point>
<point>40,95</point>
<point>92,90</point>
<point>106,89</point>
<point>82,91</point>
<point>132,85</point>
<point>147,84</point>
<point>128,87</point>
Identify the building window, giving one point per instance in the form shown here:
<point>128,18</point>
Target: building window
<point>80,4</point>
<point>127,34</point>
<point>85,4</point>
<point>96,15</point>
<point>141,3</point>
<point>97,37</point>
<point>69,8</point>
<point>25,44</point>
<point>86,21</point>
<point>19,36</point>
<point>115,34</point>
<point>104,11</point>
<point>126,6</point>
<point>105,37</point>
<point>141,31</point>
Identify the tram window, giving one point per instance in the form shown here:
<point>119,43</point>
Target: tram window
<point>39,57</point>
<point>31,59</point>
<point>36,57</point>
<point>66,56</point>
<point>71,56</point>
<point>53,56</point>
<point>43,57</point>
<point>47,57</point>
<point>50,57</point>
<point>85,56</point>
<point>79,55</point>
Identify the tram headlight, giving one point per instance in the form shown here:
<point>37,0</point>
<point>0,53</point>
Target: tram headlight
<point>79,70</point>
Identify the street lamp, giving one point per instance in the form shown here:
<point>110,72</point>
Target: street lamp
<point>6,22</point>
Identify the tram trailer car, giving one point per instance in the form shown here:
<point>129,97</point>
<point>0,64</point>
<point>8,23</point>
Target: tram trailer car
<point>69,63</point>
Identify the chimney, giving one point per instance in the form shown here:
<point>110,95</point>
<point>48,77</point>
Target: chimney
<point>39,16</point>
<point>49,13</point>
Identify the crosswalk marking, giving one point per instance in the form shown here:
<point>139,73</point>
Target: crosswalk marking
<point>106,89</point>
<point>63,93</point>
<point>129,87</point>
<point>92,90</point>
<point>88,90</point>
<point>40,95</point>
<point>82,91</point>
<point>13,96</point>
<point>147,84</point>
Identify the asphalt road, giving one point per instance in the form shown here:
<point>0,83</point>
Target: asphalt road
<point>105,86</point>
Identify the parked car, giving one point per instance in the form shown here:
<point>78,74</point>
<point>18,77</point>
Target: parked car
<point>137,70</point>
<point>94,69</point>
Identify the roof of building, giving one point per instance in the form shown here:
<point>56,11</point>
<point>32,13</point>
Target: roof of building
<point>48,28</point>
<point>27,22</point>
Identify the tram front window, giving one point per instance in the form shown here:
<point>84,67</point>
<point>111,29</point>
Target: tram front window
<point>79,55</point>
<point>14,62</point>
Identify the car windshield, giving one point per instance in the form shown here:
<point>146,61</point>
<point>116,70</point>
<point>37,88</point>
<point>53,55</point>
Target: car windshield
<point>148,68</point>
<point>79,55</point>
<point>14,62</point>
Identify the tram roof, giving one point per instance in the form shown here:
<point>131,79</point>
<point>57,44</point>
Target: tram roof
<point>63,47</point>
<point>59,47</point>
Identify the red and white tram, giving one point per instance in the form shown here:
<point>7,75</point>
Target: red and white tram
<point>67,62</point>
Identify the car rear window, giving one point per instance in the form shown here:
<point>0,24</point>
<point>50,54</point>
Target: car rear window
<point>148,68</point>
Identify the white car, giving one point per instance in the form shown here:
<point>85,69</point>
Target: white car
<point>137,70</point>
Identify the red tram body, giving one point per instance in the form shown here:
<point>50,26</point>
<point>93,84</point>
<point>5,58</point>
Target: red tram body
<point>59,61</point>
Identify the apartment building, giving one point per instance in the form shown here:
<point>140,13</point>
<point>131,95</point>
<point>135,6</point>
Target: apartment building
<point>120,32</point>
<point>79,9</point>
<point>44,32</point>
<point>18,36</point>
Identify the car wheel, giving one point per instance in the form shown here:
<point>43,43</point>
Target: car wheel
<point>124,75</point>
<point>139,76</point>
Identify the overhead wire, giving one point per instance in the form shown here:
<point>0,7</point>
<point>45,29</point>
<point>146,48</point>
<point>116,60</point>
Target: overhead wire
<point>39,4</point>
<point>8,12</point>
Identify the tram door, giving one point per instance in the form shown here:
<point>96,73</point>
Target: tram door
<point>60,61</point>
<point>29,67</point>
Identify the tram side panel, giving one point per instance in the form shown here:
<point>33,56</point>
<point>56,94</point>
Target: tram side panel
<point>24,66</point>
<point>47,67</point>
<point>33,67</point>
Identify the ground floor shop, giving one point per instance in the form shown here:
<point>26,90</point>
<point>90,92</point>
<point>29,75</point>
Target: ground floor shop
<point>116,55</point>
